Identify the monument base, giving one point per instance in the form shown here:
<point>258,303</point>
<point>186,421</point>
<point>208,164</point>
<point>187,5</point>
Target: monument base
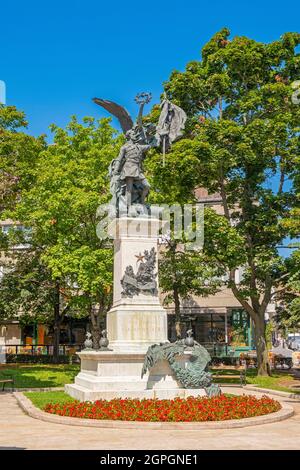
<point>133,328</point>
<point>108,374</point>
<point>135,322</point>
<point>81,394</point>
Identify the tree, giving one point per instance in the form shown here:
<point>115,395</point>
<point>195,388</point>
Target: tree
<point>243,136</point>
<point>69,183</point>
<point>183,273</point>
<point>19,152</point>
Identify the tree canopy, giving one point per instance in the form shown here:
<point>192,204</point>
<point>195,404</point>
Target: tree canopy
<point>242,141</point>
<point>68,181</point>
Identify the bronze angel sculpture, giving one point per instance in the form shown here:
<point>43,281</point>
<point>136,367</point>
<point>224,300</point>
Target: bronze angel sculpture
<point>128,184</point>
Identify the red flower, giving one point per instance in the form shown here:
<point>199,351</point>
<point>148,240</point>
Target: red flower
<point>190,409</point>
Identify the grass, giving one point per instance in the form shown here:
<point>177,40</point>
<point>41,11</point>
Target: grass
<point>51,375</point>
<point>282,381</point>
<point>40,399</point>
<point>278,381</point>
<point>40,375</point>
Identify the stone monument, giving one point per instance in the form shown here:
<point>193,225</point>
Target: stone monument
<point>136,320</point>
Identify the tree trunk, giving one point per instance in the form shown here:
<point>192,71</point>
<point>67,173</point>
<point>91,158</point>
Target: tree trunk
<point>57,321</point>
<point>263,366</point>
<point>177,313</point>
<point>257,313</point>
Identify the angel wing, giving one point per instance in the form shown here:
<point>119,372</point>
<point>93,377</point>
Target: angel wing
<point>118,111</point>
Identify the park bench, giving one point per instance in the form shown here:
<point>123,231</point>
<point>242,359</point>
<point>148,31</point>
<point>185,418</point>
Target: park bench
<point>6,381</point>
<point>231,372</point>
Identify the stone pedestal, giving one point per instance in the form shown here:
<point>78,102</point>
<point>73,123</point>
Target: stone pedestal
<point>109,375</point>
<point>133,324</point>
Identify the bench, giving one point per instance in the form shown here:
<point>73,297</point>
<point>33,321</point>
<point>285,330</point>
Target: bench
<point>217,372</point>
<point>6,381</point>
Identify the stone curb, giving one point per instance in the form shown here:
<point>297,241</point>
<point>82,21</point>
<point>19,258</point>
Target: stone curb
<point>293,396</point>
<point>286,412</point>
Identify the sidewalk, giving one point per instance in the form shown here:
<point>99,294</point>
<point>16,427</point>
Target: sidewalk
<point>18,430</point>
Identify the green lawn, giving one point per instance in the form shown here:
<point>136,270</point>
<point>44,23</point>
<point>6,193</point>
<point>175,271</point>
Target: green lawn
<point>281,381</point>
<point>40,399</point>
<point>278,381</point>
<point>40,375</point>
<point>50,375</point>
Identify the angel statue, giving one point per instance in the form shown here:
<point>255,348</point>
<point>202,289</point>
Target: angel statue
<point>128,185</point>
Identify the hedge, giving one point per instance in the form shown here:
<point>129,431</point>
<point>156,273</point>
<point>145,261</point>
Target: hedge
<point>39,359</point>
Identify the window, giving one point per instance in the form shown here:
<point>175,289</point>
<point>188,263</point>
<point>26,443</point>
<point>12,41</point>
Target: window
<point>26,232</point>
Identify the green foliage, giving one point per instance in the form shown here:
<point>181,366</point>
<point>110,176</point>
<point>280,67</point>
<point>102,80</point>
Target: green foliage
<point>39,359</point>
<point>61,186</point>
<point>242,135</point>
<point>186,272</point>
<point>11,118</point>
<point>270,328</point>
<point>19,152</point>
<point>174,182</point>
<point>27,289</point>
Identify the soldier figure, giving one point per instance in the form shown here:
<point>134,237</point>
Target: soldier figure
<point>129,166</point>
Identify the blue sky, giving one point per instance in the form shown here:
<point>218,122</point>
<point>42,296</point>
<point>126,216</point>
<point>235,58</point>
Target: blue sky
<point>55,56</point>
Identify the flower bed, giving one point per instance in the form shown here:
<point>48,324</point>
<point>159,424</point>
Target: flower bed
<point>190,409</point>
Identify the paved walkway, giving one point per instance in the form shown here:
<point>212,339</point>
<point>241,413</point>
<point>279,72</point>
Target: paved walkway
<point>19,431</point>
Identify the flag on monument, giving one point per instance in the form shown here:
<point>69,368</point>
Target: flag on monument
<point>171,122</point>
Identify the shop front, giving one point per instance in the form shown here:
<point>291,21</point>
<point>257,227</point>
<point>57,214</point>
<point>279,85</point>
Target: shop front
<point>36,339</point>
<point>224,332</point>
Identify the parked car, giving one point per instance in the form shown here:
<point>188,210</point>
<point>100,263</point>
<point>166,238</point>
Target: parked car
<point>294,342</point>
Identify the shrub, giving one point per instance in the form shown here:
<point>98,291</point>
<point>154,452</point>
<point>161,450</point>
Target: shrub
<point>38,359</point>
